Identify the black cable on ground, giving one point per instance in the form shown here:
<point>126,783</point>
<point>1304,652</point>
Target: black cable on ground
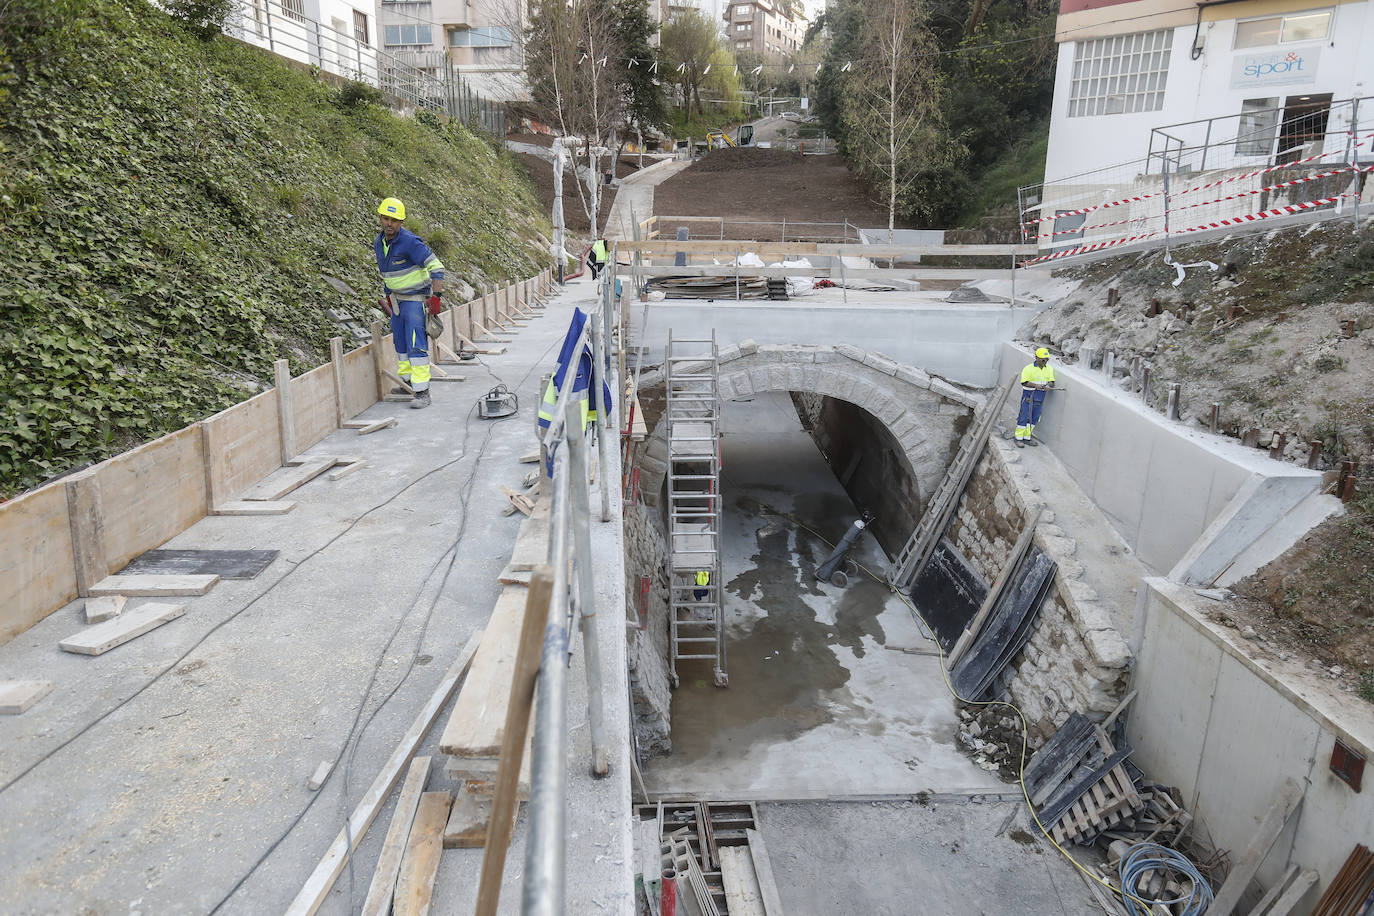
<point>355,734</point>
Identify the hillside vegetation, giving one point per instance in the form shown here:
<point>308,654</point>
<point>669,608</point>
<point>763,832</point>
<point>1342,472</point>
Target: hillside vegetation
<point>172,206</point>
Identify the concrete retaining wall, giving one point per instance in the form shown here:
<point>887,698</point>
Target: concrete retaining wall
<point>1228,729</point>
<point>59,539</point>
<point>1076,660</point>
<point>1160,483</point>
<point>646,554</point>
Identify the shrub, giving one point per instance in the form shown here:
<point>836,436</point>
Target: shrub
<point>204,18</point>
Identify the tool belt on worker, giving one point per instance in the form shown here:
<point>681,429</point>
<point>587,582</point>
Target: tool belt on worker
<point>434,326</point>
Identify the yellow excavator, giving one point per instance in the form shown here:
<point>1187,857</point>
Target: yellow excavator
<point>719,139</point>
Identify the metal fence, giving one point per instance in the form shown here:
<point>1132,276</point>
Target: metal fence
<point>1210,174</point>
<point>283,28</point>
<point>565,449</point>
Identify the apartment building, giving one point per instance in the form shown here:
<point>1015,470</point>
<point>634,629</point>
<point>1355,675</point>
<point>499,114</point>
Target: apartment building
<point>1248,81</point>
<point>477,38</point>
<point>338,36</point>
<point>763,26</point>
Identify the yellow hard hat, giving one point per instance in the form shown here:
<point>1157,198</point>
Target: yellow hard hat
<point>1042,353</point>
<point>393,208</point>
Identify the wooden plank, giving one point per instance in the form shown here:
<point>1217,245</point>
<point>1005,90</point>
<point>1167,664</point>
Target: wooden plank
<point>360,381</point>
<point>318,777</point>
<point>379,892</point>
<point>376,425</point>
<point>37,572</point>
<point>478,348</point>
<point>314,412</point>
<point>154,586</point>
<point>17,697</point>
<point>87,522</point>
<point>467,828</point>
<point>243,445</point>
<point>1273,893</point>
<point>336,367</point>
<point>419,866</point>
<point>1283,807</point>
<point>277,484</point>
<point>504,805</point>
<point>763,869</point>
<point>742,894</point>
<point>347,469</point>
<point>532,543</point>
<point>356,424</point>
<point>380,348</point>
<point>104,608</point>
<point>475,726</point>
<point>256,507</point>
<point>1305,881</point>
<point>313,892</point>
<point>990,600</point>
<point>281,369</point>
<point>103,637</point>
<point>519,500</point>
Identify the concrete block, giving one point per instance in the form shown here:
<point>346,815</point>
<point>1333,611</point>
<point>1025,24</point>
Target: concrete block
<point>928,407</point>
<point>852,352</point>
<point>1091,615</point>
<point>727,354</point>
<point>795,379</point>
<point>777,378</point>
<point>826,355</point>
<point>912,376</point>
<point>811,377</point>
<point>1056,547</point>
<point>948,391</point>
<point>1108,648</point>
<point>748,347</point>
<point>880,363</point>
<point>1078,592</point>
<point>758,378</point>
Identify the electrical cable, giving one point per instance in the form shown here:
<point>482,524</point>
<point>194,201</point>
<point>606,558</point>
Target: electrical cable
<point>1144,858</point>
<point>1130,898</point>
<point>465,492</point>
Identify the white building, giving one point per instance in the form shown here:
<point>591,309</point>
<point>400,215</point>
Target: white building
<point>337,36</point>
<point>1127,67</point>
<point>478,37</point>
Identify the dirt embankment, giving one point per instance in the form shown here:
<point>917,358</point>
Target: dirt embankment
<point>574,203</point>
<point>1281,335</point>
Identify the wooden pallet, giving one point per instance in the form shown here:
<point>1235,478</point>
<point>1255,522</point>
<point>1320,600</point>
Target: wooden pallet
<point>1104,805</point>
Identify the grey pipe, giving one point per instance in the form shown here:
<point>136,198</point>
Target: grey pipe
<point>586,595</point>
<point>542,894</point>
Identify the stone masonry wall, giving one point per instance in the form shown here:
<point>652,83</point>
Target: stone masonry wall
<point>1076,661</point>
<point>646,554</point>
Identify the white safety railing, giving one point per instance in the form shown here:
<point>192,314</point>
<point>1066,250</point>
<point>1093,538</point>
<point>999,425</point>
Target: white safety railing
<point>566,444</point>
<point>284,29</point>
<point>1204,175</point>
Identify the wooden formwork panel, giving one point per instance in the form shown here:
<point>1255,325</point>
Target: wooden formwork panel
<point>489,309</point>
<point>312,406</point>
<point>465,319</point>
<point>360,381</point>
<point>150,494</point>
<point>245,444</point>
<point>37,566</point>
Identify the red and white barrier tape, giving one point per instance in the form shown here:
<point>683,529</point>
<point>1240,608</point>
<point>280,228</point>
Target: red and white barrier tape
<point>1263,171</point>
<point>1082,249</point>
<point>1107,206</point>
<point>1262,214</point>
<point>1120,222</point>
<point>1272,187</point>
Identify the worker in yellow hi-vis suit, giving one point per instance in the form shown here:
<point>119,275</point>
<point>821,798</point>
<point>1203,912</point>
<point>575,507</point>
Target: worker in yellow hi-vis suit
<point>1036,379</point>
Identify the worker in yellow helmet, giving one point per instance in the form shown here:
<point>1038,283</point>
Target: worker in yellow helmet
<point>1036,379</point>
<point>413,281</point>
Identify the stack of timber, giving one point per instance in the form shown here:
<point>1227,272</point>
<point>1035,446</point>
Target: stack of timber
<point>1352,890</point>
<point>722,287</point>
<point>713,854</point>
<point>1078,783</point>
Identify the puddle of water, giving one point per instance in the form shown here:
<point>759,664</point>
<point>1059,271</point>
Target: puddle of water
<point>786,677</point>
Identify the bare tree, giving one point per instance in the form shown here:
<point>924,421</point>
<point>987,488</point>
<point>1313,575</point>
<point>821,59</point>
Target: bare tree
<point>891,104</point>
<point>689,43</point>
<point>574,64</point>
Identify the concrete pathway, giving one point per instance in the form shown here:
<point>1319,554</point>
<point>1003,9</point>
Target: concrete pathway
<point>833,692</point>
<point>156,777</point>
<point>634,197</point>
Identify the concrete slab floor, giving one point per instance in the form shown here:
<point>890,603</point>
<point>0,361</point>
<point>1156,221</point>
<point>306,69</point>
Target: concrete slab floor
<point>156,776</point>
<point>833,692</point>
<point>939,856</point>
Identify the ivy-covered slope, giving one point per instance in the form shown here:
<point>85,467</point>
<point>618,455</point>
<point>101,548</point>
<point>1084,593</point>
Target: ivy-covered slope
<point>171,207</point>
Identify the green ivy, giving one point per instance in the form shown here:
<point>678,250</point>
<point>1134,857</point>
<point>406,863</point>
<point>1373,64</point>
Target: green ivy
<point>170,207</point>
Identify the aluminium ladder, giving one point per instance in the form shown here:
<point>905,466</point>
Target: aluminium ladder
<point>940,507</point>
<point>697,626</point>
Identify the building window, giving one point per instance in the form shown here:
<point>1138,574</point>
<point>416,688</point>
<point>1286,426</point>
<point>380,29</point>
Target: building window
<point>1273,30</point>
<point>490,37</point>
<point>742,44</point>
<point>294,9</point>
<point>1259,119</point>
<point>742,11</point>
<point>408,35</point>
<point>1121,74</point>
<point>360,28</point>
<point>742,27</point>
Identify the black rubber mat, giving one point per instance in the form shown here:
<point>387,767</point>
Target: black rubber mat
<point>227,564</point>
<point>948,593</point>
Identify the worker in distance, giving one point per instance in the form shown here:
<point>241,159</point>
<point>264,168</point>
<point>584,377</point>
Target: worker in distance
<point>1036,379</point>
<point>413,284</point>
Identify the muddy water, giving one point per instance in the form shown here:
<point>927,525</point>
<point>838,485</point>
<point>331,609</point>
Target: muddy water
<point>784,628</point>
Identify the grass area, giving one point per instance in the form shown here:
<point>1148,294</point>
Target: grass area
<point>173,207</point>
<point>993,199</point>
<point>685,124</point>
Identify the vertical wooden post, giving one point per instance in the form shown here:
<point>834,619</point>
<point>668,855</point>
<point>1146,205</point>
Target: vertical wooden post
<point>379,359</point>
<point>336,363</point>
<point>1174,391</point>
<point>87,522</point>
<point>1314,453</point>
<point>287,423</point>
<point>214,487</point>
<point>1215,422</point>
